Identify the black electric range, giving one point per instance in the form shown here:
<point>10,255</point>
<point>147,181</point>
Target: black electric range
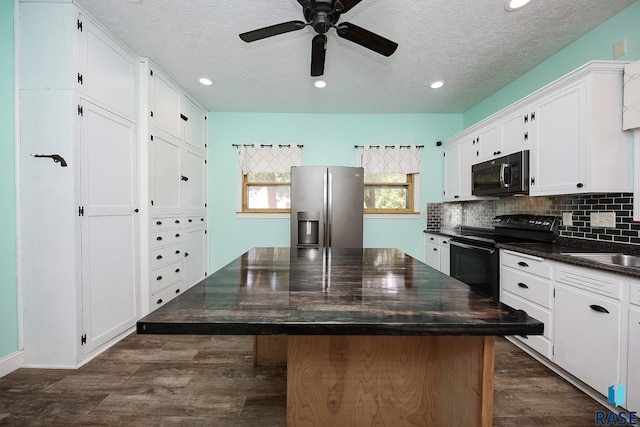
<point>474,257</point>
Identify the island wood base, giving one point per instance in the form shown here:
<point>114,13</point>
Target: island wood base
<point>384,380</point>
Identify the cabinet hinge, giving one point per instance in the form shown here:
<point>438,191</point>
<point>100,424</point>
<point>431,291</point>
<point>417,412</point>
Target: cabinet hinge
<point>205,231</point>
<point>151,113</point>
<point>151,137</point>
<point>80,78</point>
<point>554,293</point>
<point>79,25</point>
<point>152,203</point>
<point>80,210</point>
<point>83,339</point>
<point>205,145</point>
<point>80,111</point>
<point>533,116</point>
<point>183,117</point>
<point>553,350</point>
<point>205,161</point>
<point>151,73</point>
<point>205,205</point>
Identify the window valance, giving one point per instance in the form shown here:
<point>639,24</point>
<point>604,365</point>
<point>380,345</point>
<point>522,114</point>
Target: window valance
<point>379,159</point>
<point>268,158</point>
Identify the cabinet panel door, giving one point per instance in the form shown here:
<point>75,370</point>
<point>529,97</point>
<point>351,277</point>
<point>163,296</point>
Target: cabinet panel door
<point>468,157</point>
<point>164,173</point>
<point>108,226</point>
<point>593,357</point>
<point>451,171</point>
<point>633,380</point>
<point>513,130</point>
<point>195,255</point>
<point>193,189</point>
<point>164,100</point>
<point>194,124</point>
<point>558,153</point>
<point>109,71</point>
<point>432,255</point>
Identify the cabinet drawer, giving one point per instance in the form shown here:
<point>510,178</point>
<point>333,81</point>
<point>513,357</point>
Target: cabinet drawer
<point>635,294</point>
<point>590,280</point>
<point>532,310</point>
<point>164,238</point>
<point>538,343</point>
<point>530,264</point>
<point>162,277</point>
<point>195,220</point>
<point>527,286</point>
<point>165,255</point>
<point>161,298</point>
<point>163,223</point>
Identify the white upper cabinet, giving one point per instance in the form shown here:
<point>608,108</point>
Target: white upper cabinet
<point>194,123</point>
<point>451,171</point>
<point>516,131</point>
<point>487,143</point>
<point>164,104</point>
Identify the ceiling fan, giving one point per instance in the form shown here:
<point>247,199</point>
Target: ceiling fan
<point>323,15</point>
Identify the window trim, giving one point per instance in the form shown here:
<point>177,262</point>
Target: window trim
<point>410,184</point>
<point>245,209</point>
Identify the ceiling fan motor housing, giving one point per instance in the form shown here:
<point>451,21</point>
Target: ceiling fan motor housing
<point>320,17</point>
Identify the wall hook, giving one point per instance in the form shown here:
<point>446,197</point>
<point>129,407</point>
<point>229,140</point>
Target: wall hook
<point>56,158</point>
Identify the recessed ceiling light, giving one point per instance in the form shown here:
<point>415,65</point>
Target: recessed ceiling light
<point>320,84</point>
<point>437,84</point>
<point>512,5</point>
<point>205,81</point>
<point>134,1</point>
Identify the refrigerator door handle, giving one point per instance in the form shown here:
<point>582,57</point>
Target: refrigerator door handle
<point>325,209</point>
<point>329,194</point>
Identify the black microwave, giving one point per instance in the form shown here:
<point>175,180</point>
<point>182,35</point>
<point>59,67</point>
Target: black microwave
<point>504,176</point>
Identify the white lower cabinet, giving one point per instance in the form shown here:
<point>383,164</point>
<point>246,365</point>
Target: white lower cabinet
<point>436,252</point>
<point>588,336</point>
<point>633,367</point>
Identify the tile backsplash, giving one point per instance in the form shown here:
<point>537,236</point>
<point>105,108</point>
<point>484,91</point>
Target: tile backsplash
<point>481,213</point>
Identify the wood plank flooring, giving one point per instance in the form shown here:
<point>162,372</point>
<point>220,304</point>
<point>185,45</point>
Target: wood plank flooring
<point>167,380</point>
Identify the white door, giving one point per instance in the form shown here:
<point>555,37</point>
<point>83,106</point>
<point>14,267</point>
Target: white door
<point>193,180</point>
<point>164,102</point>
<point>164,174</point>
<point>195,255</point>
<point>108,225</point>
<point>451,169</point>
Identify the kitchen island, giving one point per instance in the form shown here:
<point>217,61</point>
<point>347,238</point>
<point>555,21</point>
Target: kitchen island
<point>369,336</point>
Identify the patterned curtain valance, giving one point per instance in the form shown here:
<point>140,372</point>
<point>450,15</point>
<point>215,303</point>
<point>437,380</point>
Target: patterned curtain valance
<point>390,158</point>
<point>631,105</point>
<point>268,158</point>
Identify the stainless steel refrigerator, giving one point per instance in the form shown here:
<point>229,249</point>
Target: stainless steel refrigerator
<point>326,206</point>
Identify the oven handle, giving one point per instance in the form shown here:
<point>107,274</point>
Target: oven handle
<point>475,248</point>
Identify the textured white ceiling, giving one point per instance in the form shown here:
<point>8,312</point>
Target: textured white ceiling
<point>474,45</point>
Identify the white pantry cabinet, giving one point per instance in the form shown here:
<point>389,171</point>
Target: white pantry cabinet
<point>79,231</point>
<point>176,131</point>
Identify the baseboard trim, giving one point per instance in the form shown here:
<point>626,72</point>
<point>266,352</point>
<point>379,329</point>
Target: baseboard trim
<point>10,363</point>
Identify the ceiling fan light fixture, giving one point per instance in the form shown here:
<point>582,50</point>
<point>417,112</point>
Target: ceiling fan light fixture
<point>205,81</point>
<point>320,84</point>
<point>436,84</point>
<point>513,5</point>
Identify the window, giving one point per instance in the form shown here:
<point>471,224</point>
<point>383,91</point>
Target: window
<point>266,192</point>
<point>266,176</point>
<point>388,193</point>
<point>390,175</point>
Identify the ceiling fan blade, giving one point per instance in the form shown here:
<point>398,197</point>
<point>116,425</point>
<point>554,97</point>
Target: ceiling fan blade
<point>347,5</point>
<point>366,38</point>
<point>273,30</point>
<point>318,54</point>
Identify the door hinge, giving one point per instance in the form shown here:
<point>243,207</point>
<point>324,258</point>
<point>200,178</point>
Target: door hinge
<point>80,210</point>
<point>83,339</point>
<point>79,25</point>
<point>80,111</point>
<point>80,78</point>
<point>151,73</point>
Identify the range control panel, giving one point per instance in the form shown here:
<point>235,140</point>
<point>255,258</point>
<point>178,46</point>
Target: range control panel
<point>527,222</point>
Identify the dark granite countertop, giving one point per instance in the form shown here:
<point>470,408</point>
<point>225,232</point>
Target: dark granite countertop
<point>558,251</point>
<point>283,291</point>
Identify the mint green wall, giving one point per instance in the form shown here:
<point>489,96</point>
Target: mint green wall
<point>8,281</point>
<point>595,45</point>
<point>328,139</point>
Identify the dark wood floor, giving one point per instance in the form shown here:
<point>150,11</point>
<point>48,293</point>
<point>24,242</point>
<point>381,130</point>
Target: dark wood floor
<point>155,380</point>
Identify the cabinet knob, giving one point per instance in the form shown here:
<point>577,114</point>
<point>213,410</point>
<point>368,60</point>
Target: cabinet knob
<point>435,249</point>
<point>177,221</point>
<point>190,220</point>
<point>177,291</point>
<point>186,254</point>
<point>158,238</point>
<point>184,178</point>
<point>159,257</point>
<point>177,252</point>
<point>526,136</point>
<point>177,235</point>
<point>579,185</point>
<point>159,278</point>
<point>158,222</point>
<point>177,270</point>
<point>159,301</point>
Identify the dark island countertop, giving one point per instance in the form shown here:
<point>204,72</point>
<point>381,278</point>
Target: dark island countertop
<point>283,291</point>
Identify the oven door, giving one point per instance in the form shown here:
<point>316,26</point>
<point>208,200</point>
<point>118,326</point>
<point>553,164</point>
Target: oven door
<point>475,265</point>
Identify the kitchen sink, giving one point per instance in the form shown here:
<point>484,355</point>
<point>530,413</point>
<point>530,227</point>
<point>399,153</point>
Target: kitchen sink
<point>609,258</point>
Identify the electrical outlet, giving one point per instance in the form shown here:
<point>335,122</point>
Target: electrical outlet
<point>603,219</point>
<point>567,219</point>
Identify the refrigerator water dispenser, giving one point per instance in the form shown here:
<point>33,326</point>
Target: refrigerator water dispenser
<point>308,228</point>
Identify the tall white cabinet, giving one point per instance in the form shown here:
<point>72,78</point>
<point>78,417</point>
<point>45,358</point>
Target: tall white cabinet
<point>175,128</point>
<point>79,223</point>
